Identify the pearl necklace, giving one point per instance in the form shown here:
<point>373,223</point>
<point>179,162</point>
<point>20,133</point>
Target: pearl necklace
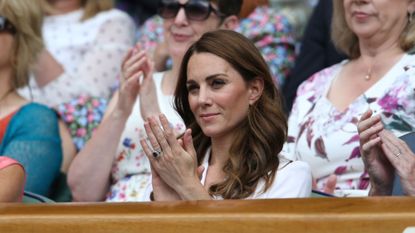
<point>368,75</point>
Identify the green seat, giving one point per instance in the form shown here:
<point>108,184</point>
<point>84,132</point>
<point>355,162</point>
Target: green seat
<point>315,193</point>
<point>33,198</point>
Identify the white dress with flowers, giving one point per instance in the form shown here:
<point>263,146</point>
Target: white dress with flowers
<point>327,138</point>
<point>131,171</point>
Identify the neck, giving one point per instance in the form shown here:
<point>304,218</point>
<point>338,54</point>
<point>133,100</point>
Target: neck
<point>220,150</point>
<point>5,82</point>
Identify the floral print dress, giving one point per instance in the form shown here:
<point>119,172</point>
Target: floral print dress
<point>131,170</point>
<point>328,139</point>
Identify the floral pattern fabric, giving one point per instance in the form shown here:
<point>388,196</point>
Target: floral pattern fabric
<point>82,116</point>
<point>327,138</point>
<point>131,170</point>
<point>270,31</point>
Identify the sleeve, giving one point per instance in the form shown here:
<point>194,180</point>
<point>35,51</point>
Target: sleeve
<point>35,143</point>
<point>292,181</point>
<point>274,37</point>
<point>100,65</point>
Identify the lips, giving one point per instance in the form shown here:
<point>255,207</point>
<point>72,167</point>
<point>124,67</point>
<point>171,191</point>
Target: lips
<point>360,15</point>
<point>208,116</point>
<point>180,37</point>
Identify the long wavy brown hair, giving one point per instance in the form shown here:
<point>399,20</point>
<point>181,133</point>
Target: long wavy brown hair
<point>254,152</point>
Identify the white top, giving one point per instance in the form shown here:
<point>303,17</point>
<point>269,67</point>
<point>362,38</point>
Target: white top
<point>131,169</point>
<point>292,180</point>
<point>90,51</point>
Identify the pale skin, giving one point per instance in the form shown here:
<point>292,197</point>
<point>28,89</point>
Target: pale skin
<point>383,153</point>
<point>91,169</point>
<point>219,98</point>
<point>377,25</point>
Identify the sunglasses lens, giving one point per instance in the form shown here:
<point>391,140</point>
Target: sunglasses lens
<point>169,10</point>
<point>198,10</point>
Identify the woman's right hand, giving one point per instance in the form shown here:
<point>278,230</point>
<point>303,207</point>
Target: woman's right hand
<point>380,170</point>
<point>136,69</point>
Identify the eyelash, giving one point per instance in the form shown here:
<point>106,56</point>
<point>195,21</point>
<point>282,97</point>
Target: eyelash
<point>215,84</point>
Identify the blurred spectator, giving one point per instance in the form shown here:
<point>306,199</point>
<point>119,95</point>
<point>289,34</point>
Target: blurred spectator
<point>269,30</point>
<point>29,132</point>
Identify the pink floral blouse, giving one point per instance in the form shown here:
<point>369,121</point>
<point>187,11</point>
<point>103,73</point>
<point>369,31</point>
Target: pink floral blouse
<point>327,138</point>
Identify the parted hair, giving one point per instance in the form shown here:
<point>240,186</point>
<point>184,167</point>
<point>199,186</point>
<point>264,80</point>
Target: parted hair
<point>26,17</point>
<point>346,41</point>
<point>91,7</point>
<point>261,135</point>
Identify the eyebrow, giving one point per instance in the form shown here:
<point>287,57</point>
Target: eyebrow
<point>210,77</point>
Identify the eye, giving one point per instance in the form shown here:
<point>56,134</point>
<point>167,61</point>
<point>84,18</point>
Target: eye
<point>192,88</point>
<point>217,83</point>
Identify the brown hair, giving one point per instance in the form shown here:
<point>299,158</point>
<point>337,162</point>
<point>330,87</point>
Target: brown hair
<point>26,17</point>
<point>346,41</point>
<point>254,153</point>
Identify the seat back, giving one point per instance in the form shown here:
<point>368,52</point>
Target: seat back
<point>409,138</point>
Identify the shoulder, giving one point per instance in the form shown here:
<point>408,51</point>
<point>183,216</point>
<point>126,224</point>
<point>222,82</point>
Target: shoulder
<point>34,117</point>
<point>37,109</point>
<point>318,81</point>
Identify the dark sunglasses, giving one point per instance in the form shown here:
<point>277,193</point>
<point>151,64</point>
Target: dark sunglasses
<point>6,26</point>
<point>194,10</point>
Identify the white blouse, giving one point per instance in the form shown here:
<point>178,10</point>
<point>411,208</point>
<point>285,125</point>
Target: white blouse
<point>90,52</point>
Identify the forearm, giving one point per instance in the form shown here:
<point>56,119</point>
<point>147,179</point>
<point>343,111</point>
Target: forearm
<point>89,173</point>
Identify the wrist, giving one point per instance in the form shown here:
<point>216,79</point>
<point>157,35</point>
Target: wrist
<point>193,190</point>
<point>380,190</point>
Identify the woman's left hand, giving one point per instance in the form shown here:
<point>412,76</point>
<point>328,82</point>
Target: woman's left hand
<point>176,163</point>
<point>402,159</point>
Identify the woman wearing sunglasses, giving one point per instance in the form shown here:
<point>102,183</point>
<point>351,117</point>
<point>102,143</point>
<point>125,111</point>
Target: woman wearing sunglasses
<point>113,165</point>
<point>28,132</point>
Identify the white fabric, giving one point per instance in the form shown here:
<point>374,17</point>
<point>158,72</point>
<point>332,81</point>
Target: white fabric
<point>131,170</point>
<point>91,53</point>
<point>293,180</point>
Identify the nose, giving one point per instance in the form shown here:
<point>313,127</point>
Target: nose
<point>181,18</point>
<point>204,97</point>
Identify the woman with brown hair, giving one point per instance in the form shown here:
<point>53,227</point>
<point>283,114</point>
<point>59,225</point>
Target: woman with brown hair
<point>236,129</point>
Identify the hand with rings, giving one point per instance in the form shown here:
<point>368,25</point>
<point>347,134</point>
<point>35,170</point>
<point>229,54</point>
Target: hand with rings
<point>173,161</point>
<point>402,159</point>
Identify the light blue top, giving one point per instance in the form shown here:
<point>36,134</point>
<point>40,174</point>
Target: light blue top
<point>32,138</point>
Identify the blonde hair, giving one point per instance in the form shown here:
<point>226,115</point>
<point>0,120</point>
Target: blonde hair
<point>346,41</point>
<point>91,7</point>
<point>26,17</point>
